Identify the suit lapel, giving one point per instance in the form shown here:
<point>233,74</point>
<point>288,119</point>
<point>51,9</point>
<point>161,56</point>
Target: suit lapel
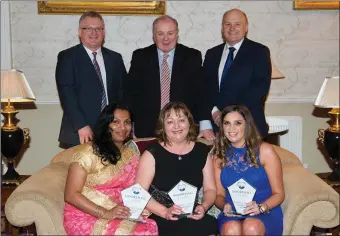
<point>217,57</point>
<point>240,58</point>
<point>177,67</point>
<point>154,79</point>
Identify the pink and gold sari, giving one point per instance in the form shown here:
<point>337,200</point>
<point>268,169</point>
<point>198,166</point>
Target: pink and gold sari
<point>103,186</point>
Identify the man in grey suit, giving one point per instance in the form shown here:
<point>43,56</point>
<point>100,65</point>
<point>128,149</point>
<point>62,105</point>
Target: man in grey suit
<point>89,77</point>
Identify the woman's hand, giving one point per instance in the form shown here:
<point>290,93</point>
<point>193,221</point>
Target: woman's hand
<point>118,212</point>
<point>227,209</point>
<point>198,213</point>
<point>252,209</point>
<point>172,211</point>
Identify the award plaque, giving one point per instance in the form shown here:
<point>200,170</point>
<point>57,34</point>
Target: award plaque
<point>184,196</point>
<point>241,193</point>
<point>135,198</point>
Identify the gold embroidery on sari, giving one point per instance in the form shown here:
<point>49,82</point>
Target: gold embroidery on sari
<point>98,197</point>
<point>126,227</point>
<point>100,227</point>
<point>104,172</point>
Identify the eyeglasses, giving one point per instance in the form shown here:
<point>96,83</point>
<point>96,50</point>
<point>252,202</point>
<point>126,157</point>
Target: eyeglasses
<point>91,29</point>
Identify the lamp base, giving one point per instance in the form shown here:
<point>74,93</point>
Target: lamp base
<point>332,145</point>
<point>334,176</point>
<point>11,177</point>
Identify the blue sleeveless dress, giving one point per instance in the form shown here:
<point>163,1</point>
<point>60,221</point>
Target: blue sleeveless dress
<point>237,167</point>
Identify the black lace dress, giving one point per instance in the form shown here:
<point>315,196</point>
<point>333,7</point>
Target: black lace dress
<point>169,170</point>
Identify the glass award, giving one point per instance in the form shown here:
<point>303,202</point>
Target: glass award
<point>184,196</point>
<point>135,198</point>
<point>241,193</point>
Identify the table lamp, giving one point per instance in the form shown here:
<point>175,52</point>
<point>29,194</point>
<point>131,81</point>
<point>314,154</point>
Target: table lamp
<point>328,97</point>
<point>14,88</point>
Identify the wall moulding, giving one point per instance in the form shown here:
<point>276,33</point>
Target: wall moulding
<point>103,7</point>
<point>316,5</point>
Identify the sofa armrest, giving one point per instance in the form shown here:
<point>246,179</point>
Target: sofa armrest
<point>308,201</point>
<point>40,200</point>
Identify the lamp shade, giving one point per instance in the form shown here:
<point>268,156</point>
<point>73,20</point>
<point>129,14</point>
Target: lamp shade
<point>15,87</point>
<point>328,96</point>
<point>276,74</point>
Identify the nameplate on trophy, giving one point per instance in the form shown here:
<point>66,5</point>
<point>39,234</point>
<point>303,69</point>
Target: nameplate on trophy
<point>241,193</point>
<point>184,196</point>
<point>135,198</point>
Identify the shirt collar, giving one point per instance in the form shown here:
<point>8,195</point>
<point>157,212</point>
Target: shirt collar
<point>236,46</point>
<point>170,53</point>
<point>89,51</point>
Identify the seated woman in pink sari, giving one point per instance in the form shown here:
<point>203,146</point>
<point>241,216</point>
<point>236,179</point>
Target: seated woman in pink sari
<point>98,172</point>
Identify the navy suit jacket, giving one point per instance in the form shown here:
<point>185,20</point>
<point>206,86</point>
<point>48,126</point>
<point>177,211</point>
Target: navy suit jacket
<point>248,80</point>
<point>80,89</point>
<point>142,90</point>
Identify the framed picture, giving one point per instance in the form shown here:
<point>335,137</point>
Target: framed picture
<point>103,7</point>
<point>316,5</point>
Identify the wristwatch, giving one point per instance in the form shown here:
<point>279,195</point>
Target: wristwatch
<point>263,208</point>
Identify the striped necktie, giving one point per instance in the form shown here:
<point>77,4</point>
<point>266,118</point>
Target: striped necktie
<point>165,81</point>
<point>96,67</point>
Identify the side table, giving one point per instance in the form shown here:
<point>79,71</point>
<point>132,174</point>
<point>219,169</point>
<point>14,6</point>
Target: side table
<point>336,187</point>
<point>6,227</point>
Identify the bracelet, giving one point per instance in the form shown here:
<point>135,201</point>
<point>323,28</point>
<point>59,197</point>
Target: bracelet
<point>263,208</point>
<point>205,210</point>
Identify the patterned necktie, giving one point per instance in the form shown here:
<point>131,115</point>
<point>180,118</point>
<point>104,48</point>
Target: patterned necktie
<point>96,67</point>
<point>227,65</point>
<point>165,81</point>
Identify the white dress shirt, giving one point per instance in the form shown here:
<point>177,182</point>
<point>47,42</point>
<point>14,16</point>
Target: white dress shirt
<point>101,64</point>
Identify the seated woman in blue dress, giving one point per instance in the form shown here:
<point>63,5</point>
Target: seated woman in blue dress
<point>240,153</point>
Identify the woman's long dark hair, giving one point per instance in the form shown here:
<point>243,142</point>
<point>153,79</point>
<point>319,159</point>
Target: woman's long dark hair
<point>103,145</point>
<point>252,137</point>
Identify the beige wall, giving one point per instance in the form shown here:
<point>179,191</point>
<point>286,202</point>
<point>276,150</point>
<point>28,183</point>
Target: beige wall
<point>44,123</point>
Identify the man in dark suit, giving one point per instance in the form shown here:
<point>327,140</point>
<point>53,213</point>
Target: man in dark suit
<point>238,71</point>
<point>88,77</point>
<point>165,71</point>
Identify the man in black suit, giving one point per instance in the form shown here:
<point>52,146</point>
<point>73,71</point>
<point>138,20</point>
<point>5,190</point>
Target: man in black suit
<point>238,71</point>
<point>88,77</point>
<point>165,71</point>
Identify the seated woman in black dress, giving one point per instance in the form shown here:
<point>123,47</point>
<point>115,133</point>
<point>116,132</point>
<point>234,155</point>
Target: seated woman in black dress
<point>177,156</point>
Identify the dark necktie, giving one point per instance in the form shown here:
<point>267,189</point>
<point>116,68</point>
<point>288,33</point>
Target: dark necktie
<point>96,67</point>
<point>227,65</point>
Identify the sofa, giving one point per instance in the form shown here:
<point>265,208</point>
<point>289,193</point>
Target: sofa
<point>40,199</point>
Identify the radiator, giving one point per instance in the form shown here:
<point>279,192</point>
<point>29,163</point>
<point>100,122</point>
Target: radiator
<point>291,140</point>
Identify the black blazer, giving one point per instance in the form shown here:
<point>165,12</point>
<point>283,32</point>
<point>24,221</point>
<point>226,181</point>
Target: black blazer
<point>142,90</point>
<point>80,89</point>
<point>248,80</point>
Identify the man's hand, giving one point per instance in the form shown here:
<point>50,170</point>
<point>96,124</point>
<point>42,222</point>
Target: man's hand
<point>208,134</point>
<point>216,117</point>
<point>85,134</point>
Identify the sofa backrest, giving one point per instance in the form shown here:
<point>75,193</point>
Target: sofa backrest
<point>286,156</point>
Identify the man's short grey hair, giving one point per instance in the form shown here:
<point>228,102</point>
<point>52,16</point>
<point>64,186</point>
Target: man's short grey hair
<point>92,14</point>
<point>161,18</point>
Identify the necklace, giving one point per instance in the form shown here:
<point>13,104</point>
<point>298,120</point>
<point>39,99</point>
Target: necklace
<point>180,154</point>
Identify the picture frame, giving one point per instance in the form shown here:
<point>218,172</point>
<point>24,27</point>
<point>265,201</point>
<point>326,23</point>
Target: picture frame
<point>56,7</point>
<point>316,5</point>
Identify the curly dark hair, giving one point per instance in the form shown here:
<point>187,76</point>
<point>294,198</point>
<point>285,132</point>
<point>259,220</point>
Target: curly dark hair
<point>251,136</point>
<point>103,145</point>
<point>165,113</point>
